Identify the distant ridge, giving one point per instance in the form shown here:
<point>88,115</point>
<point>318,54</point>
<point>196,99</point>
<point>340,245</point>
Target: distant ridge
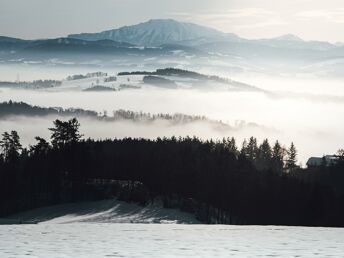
<point>168,31</point>
<point>155,32</point>
<point>160,32</point>
<point>170,41</point>
<point>288,37</point>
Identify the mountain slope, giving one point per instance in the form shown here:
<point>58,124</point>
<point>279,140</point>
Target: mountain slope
<point>75,44</point>
<point>159,32</point>
<point>290,41</point>
<point>154,33</point>
<point>106,211</point>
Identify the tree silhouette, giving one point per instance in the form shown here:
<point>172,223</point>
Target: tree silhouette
<point>203,177</point>
<point>252,149</point>
<point>42,146</point>
<point>277,158</point>
<point>230,143</point>
<point>264,156</point>
<point>291,158</point>
<point>10,145</point>
<point>65,133</point>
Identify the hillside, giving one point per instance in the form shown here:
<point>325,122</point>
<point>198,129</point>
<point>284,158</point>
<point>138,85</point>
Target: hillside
<point>106,211</point>
<point>174,77</point>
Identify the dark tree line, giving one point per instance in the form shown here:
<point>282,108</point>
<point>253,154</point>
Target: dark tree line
<point>32,85</point>
<point>11,108</point>
<point>214,180</point>
<point>264,157</point>
<point>88,75</point>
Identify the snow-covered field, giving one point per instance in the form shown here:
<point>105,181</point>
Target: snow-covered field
<point>116,229</point>
<point>159,240</point>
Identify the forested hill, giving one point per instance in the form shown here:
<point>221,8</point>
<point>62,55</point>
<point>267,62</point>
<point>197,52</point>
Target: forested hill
<point>10,108</point>
<point>213,180</point>
<point>37,84</point>
<point>175,72</point>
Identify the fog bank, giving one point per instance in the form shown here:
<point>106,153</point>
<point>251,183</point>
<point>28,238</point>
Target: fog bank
<point>313,121</point>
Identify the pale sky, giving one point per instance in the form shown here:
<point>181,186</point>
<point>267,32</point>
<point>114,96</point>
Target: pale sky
<point>309,19</point>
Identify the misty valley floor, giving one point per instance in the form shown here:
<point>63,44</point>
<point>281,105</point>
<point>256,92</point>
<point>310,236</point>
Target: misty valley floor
<point>161,240</point>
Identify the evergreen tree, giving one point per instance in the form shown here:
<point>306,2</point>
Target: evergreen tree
<point>291,158</point>
<point>277,158</point>
<point>252,149</point>
<point>243,151</point>
<point>231,146</point>
<point>10,145</point>
<point>5,145</point>
<point>42,146</point>
<point>200,176</point>
<point>264,156</point>
<point>65,133</point>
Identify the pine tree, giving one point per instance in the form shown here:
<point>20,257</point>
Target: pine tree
<point>252,149</point>
<point>264,156</point>
<point>5,145</point>
<point>231,146</point>
<point>291,158</point>
<point>42,146</point>
<point>243,151</point>
<point>10,145</point>
<point>277,158</point>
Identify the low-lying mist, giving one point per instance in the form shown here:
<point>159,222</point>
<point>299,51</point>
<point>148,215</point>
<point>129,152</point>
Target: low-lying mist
<point>307,112</point>
<point>29,127</point>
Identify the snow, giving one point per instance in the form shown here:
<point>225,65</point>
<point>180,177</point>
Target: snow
<point>158,240</point>
<point>106,211</point>
<point>82,84</point>
<point>112,228</point>
<point>155,33</point>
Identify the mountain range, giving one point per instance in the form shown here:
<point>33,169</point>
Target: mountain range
<point>159,32</point>
<point>154,33</point>
<point>170,40</point>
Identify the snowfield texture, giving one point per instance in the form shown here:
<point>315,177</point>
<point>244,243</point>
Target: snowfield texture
<point>116,229</point>
<point>159,240</point>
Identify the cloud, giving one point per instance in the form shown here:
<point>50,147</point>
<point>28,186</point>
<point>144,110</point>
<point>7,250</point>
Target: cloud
<point>227,15</point>
<point>268,23</point>
<point>236,19</point>
<point>330,15</point>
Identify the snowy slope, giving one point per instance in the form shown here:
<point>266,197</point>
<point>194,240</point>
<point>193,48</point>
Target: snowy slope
<point>107,211</point>
<point>137,81</point>
<point>83,84</point>
<point>154,33</point>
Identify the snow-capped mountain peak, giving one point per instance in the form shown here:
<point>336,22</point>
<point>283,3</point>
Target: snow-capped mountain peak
<point>154,33</point>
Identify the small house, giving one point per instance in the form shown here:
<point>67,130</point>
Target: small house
<point>327,160</point>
